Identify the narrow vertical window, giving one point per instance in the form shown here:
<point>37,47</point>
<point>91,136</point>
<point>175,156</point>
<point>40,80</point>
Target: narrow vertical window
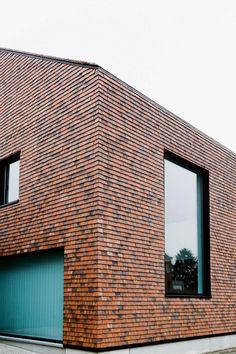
<point>186,236</point>
<point>9,179</point>
<point>13,181</point>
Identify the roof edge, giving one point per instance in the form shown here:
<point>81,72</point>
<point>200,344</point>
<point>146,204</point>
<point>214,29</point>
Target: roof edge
<point>167,112</point>
<point>132,89</point>
<point>51,58</point>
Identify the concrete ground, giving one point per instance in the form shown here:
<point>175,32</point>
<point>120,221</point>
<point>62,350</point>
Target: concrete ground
<point>6,349</point>
<point>226,351</point>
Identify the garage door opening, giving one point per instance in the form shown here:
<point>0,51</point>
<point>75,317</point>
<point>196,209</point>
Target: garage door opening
<point>31,295</point>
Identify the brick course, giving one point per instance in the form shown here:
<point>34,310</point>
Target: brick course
<point>92,182</point>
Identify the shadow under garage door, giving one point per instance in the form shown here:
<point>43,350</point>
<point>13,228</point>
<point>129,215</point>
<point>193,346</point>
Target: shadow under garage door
<point>31,295</point>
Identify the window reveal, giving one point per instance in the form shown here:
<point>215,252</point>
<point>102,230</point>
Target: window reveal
<point>186,221</point>
<point>9,179</point>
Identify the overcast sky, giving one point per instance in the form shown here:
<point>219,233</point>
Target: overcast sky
<point>180,53</point>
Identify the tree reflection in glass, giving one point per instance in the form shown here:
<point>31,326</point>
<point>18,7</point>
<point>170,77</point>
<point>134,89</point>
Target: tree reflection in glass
<point>183,230</point>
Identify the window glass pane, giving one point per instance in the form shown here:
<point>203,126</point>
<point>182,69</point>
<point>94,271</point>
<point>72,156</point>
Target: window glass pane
<point>183,230</point>
<point>13,181</point>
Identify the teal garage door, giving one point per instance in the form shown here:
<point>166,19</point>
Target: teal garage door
<point>31,295</point>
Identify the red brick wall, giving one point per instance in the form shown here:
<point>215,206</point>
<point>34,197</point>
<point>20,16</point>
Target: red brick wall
<point>133,308</point>
<point>48,111</point>
<point>92,181</point>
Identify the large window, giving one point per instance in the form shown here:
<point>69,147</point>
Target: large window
<point>9,179</point>
<point>186,228</point>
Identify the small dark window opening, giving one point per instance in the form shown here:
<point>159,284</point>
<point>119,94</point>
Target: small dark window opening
<point>9,179</point>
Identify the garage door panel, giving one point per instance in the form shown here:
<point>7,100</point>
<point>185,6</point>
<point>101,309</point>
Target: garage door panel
<point>31,295</point>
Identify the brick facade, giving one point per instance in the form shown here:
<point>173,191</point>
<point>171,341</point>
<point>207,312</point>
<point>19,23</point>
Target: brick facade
<point>92,181</point>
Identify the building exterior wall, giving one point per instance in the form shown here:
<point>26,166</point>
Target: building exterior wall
<point>135,133</point>
<point>92,181</point>
<point>48,113</point>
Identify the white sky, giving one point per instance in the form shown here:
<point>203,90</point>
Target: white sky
<point>180,53</point>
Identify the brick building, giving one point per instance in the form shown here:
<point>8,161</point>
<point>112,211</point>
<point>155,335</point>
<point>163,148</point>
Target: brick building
<point>117,218</point>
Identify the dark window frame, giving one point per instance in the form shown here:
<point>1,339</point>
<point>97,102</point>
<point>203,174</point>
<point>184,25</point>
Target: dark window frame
<point>172,157</point>
<point>4,178</point>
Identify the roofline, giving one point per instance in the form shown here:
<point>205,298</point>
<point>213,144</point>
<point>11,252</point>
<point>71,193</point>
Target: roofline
<point>134,90</point>
<point>167,112</point>
<point>52,58</point>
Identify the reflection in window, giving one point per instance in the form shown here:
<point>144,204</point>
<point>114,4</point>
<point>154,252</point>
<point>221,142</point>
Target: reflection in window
<point>183,229</point>
<point>13,181</point>
<point>9,179</point>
